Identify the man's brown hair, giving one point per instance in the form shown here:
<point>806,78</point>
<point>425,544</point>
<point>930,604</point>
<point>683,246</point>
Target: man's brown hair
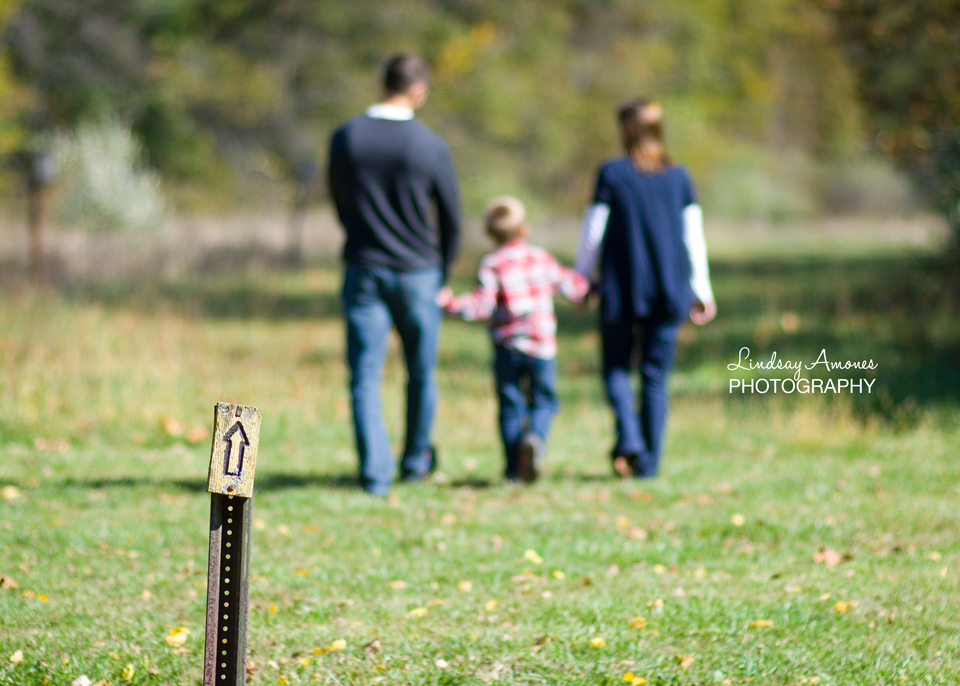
<point>404,71</point>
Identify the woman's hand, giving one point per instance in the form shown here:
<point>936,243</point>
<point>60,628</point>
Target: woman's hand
<point>701,312</point>
<point>444,296</point>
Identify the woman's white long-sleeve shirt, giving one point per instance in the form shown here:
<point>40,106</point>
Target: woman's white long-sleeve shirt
<point>594,227</point>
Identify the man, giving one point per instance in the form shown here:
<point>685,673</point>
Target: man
<point>395,189</point>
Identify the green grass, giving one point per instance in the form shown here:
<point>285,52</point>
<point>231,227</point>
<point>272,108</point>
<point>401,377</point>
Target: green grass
<point>106,540</point>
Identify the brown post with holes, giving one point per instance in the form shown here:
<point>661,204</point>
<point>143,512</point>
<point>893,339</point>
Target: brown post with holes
<point>233,459</point>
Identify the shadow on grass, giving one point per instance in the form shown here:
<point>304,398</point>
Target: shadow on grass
<point>899,311</point>
<point>264,482</point>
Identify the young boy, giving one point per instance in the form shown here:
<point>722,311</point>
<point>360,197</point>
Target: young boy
<point>514,291</point>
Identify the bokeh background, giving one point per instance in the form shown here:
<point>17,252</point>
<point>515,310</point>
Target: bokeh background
<point>198,126</point>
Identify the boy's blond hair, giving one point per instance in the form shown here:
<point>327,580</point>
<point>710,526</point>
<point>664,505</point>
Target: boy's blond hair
<point>505,218</point>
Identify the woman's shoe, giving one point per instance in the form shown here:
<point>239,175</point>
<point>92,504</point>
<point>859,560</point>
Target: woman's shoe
<point>624,464</point>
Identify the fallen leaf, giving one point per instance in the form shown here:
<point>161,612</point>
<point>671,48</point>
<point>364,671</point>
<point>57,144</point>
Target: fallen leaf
<point>302,572</point>
<point>127,673</point>
<point>737,520</point>
<point>629,676</point>
<point>532,556</point>
<point>828,557</point>
<point>339,644</point>
<point>791,588</point>
<point>171,427</point>
<point>272,609</point>
<point>10,492</point>
<point>638,534</point>
<point>598,642</point>
<point>685,660</point>
<point>17,657</point>
<point>760,623</point>
<point>943,571</point>
<point>540,642</point>
<point>825,596</point>
<point>656,604</point>
<point>441,663</point>
<point>7,581</point>
<point>935,556</point>
<point>841,607</point>
<point>43,597</point>
<point>638,681</point>
<point>373,647</point>
<point>659,569</point>
<point>557,574</point>
<point>638,622</point>
<point>305,661</point>
<point>613,570</point>
<point>82,680</point>
<point>417,612</point>
<point>196,434</point>
<point>700,573</point>
<point>397,585</point>
<point>464,586</point>
<point>490,605</point>
<point>177,637</point>
<point>679,593</point>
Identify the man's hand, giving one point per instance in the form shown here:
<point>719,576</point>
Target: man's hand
<point>444,296</point>
<point>701,313</point>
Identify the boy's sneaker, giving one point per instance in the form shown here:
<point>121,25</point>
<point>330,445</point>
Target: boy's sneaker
<point>529,455</point>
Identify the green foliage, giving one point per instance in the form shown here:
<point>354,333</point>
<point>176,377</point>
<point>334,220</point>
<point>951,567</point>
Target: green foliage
<point>525,91</point>
<point>908,69</point>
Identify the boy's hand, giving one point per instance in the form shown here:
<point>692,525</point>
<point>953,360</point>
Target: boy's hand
<point>444,296</point>
<point>701,313</point>
<point>584,305</point>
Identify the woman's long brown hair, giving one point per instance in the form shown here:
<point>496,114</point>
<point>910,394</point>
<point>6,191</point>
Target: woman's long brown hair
<point>641,129</point>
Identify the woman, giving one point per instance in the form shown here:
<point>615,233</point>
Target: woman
<point>642,245</point>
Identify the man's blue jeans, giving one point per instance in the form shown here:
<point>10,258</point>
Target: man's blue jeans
<point>374,300</point>
<point>527,397</point>
<point>640,434</point>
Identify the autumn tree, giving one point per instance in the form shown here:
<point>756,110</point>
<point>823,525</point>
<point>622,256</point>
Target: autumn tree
<point>906,54</point>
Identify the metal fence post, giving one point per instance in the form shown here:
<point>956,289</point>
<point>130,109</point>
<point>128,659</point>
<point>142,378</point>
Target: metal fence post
<point>233,459</point>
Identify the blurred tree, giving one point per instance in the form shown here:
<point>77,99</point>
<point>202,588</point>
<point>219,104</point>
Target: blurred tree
<point>524,90</point>
<point>15,100</point>
<point>906,54</point>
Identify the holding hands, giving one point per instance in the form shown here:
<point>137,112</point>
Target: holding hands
<point>444,296</point>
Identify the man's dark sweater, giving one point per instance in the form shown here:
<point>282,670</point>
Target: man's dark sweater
<point>395,190</point>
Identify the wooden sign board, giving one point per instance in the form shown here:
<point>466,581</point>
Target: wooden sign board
<point>233,457</point>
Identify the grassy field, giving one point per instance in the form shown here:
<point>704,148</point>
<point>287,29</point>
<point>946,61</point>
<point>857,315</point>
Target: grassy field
<point>789,540</point>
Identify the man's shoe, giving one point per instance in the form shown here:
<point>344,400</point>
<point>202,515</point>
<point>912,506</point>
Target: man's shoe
<point>412,476</point>
<point>529,452</point>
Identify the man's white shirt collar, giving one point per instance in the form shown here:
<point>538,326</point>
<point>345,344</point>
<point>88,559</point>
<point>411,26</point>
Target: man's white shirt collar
<point>393,112</point>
